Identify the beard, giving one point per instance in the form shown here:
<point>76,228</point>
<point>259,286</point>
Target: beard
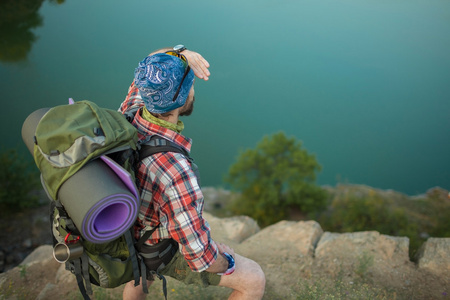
<point>187,108</point>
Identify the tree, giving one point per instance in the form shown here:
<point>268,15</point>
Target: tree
<point>273,178</point>
<point>18,18</point>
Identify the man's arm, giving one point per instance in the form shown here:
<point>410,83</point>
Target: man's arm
<point>180,203</point>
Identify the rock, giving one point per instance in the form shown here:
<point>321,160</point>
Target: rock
<point>47,292</point>
<point>359,251</point>
<point>285,239</point>
<point>280,247</point>
<point>239,228</point>
<point>35,273</point>
<point>434,256</point>
<point>231,230</point>
<point>40,254</point>
<point>64,277</point>
<point>348,244</point>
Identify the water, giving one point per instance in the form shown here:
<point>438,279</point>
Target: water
<point>364,84</point>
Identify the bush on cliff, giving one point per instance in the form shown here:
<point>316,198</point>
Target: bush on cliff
<point>279,174</point>
<point>350,213</point>
<point>416,219</point>
<point>18,181</point>
<point>436,209</point>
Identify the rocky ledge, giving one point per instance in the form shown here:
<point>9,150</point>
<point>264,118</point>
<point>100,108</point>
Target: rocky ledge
<point>297,257</point>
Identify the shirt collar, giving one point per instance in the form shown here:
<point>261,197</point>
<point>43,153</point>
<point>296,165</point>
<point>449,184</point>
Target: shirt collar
<point>147,128</point>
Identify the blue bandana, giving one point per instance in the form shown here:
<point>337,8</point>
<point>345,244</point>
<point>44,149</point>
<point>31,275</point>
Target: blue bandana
<point>158,78</point>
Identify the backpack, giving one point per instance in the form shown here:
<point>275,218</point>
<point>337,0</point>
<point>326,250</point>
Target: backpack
<point>78,147</point>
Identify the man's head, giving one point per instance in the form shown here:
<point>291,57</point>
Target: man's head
<point>164,82</point>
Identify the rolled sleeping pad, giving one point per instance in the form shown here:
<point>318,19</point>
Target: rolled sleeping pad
<point>99,202</point>
<point>101,198</point>
<point>29,127</point>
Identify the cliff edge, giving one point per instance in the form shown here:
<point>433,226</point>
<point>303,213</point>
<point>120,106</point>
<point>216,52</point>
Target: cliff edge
<point>300,261</point>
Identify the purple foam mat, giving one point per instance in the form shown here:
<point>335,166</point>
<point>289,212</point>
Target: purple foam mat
<point>101,199</point>
<point>108,219</point>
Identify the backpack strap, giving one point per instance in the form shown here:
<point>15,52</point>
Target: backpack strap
<point>145,237</point>
<point>131,113</point>
<point>158,144</point>
<point>132,248</point>
<point>166,250</point>
<point>143,267</point>
<point>85,272</point>
<point>134,261</point>
<point>78,274</point>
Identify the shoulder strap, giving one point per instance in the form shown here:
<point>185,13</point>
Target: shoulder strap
<point>131,113</point>
<point>159,144</point>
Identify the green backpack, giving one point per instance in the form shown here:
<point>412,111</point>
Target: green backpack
<point>68,138</point>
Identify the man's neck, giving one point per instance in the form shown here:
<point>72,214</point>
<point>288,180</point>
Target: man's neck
<point>169,121</point>
<point>173,118</point>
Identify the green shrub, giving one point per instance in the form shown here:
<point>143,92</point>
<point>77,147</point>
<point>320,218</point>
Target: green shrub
<point>351,213</point>
<point>273,178</point>
<point>439,213</point>
<point>19,178</point>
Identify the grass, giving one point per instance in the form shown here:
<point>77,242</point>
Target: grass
<point>339,290</point>
<point>342,290</point>
<point>365,261</point>
<point>342,287</point>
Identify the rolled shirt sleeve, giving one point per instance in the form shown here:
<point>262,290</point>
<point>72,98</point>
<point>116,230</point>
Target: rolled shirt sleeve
<point>181,213</point>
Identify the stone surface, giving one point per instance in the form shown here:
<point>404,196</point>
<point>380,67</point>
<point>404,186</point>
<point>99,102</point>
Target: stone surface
<point>39,255</point>
<point>434,256</point>
<point>348,245</point>
<point>231,230</point>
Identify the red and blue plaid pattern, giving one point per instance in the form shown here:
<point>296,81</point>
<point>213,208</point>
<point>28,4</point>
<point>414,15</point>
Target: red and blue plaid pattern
<point>170,194</point>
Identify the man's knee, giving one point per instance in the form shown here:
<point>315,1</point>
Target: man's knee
<point>255,280</point>
<point>257,277</point>
<point>248,277</point>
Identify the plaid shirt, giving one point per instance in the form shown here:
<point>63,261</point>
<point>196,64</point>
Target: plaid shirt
<point>170,194</point>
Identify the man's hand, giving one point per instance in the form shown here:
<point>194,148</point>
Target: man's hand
<point>224,248</point>
<point>197,63</point>
<point>221,264</point>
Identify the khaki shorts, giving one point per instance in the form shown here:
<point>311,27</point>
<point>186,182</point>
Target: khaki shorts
<point>179,269</point>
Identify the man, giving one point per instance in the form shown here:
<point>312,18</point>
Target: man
<point>172,201</point>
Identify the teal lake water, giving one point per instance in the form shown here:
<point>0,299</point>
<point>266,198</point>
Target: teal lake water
<point>364,84</point>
